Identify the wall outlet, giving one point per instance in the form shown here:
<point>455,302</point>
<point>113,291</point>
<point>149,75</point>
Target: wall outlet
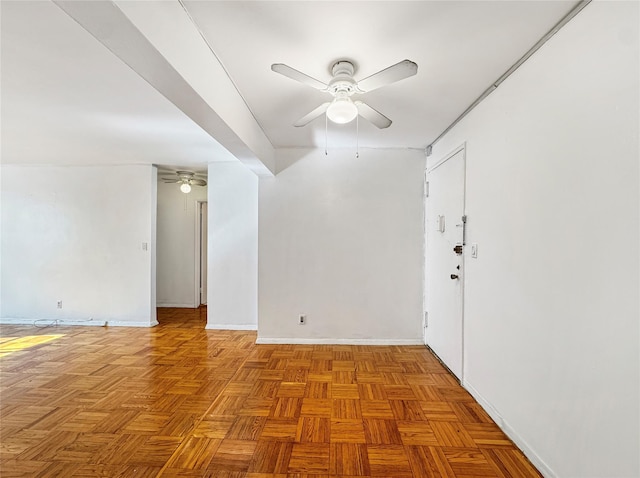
<point>59,304</point>
<point>302,319</point>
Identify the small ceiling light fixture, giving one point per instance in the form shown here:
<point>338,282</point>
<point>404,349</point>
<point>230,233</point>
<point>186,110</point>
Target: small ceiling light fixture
<point>342,110</point>
<point>185,188</point>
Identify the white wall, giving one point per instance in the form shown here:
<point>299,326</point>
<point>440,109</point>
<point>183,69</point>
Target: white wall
<point>551,310</point>
<point>1,240</point>
<point>341,242</point>
<point>75,234</point>
<point>232,287</point>
<point>176,245</point>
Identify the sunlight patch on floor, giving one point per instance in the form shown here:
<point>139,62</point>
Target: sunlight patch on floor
<point>9,345</point>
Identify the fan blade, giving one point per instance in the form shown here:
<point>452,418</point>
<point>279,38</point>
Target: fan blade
<point>167,180</point>
<point>397,72</point>
<point>198,182</point>
<point>309,117</point>
<point>374,117</point>
<point>298,76</point>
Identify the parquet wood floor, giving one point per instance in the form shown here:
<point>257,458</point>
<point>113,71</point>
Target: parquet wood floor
<point>180,401</point>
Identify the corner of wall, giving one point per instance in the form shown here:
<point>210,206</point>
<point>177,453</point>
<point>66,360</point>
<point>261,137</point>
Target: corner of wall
<point>232,283</point>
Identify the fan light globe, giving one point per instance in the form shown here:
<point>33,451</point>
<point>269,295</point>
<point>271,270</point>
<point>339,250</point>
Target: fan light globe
<point>342,110</point>
<point>185,188</point>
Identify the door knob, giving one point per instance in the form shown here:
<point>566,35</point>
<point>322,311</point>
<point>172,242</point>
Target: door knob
<point>454,276</point>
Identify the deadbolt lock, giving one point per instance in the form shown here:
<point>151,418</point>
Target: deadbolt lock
<point>458,249</point>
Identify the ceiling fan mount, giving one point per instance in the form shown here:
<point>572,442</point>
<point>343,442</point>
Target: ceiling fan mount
<point>342,81</point>
<point>342,86</point>
<point>186,175</point>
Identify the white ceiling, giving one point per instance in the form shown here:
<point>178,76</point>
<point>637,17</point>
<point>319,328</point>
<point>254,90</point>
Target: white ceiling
<point>66,99</point>
<point>460,49</point>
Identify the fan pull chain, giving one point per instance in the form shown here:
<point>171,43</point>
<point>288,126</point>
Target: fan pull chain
<point>357,136</point>
<point>326,127</point>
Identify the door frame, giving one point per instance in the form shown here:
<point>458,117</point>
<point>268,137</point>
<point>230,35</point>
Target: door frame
<point>462,147</point>
<point>197,253</point>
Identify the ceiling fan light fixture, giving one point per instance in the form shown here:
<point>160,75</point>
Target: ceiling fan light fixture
<point>185,188</point>
<point>342,110</point>
<point>342,85</point>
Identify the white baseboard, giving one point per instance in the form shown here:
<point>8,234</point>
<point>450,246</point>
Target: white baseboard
<point>122,323</point>
<point>510,432</point>
<point>231,327</point>
<point>176,305</point>
<point>298,341</point>
<point>75,323</point>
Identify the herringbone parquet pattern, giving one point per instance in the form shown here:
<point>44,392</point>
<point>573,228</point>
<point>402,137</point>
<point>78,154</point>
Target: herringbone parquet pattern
<point>177,400</point>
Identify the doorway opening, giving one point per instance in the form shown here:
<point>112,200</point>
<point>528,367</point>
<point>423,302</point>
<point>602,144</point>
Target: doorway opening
<point>181,272</point>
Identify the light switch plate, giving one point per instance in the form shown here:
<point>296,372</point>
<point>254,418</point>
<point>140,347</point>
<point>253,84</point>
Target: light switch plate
<point>474,250</point>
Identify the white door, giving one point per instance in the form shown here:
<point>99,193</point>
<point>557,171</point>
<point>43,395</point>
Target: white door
<point>203,253</point>
<point>444,267</point>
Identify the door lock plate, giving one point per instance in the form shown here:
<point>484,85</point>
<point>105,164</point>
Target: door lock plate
<point>458,249</point>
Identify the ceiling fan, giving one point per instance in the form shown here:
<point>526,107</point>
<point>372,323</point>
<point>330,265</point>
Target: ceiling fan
<point>342,86</point>
<point>186,179</point>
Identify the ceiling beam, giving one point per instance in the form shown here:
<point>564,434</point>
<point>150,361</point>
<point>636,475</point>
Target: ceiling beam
<point>160,42</point>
